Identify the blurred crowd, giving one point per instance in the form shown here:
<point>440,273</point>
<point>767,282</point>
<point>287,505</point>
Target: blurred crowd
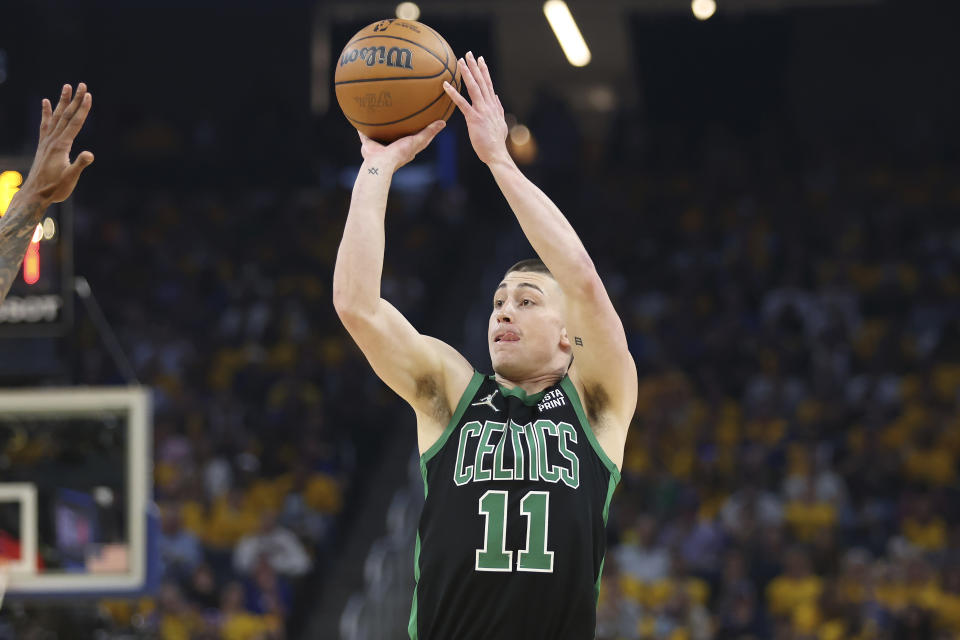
<point>267,419</point>
<point>253,462</point>
<point>792,469</point>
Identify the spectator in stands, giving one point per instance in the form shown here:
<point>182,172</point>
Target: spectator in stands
<point>281,549</point>
<point>177,620</point>
<point>266,592</point>
<point>202,589</point>
<point>180,550</point>
<point>237,623</point>
<point>639,557</point>
<point>796,589</point>
<point>741,618</point>
<point>751,504</point>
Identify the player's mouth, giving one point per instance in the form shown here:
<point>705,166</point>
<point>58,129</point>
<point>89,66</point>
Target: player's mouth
<point>506,336</point>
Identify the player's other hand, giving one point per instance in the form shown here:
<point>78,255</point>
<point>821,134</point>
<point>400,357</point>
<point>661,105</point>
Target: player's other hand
<point>401,151</point>
<point>485,122</point>
<point>52,176</point>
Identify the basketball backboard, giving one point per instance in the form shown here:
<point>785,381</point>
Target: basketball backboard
<point>75,488</point>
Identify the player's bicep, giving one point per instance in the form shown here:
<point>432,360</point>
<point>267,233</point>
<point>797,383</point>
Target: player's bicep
<point>602,359</point>
<point>403,358</point>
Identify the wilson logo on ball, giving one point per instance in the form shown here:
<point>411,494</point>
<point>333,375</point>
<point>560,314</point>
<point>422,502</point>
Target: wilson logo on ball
<point>372,101</point>
<point>392,57</point>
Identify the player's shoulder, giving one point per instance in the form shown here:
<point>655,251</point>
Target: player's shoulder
<point>454,366</point>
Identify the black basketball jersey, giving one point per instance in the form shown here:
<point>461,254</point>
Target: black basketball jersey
<point>512,535</point>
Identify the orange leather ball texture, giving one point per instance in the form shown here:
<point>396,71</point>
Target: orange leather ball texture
<point>389,78</point>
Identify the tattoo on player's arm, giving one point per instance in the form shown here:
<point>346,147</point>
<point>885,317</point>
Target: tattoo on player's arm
<point>577,340</point>
<point>373,171</point>
<point>16,230</point>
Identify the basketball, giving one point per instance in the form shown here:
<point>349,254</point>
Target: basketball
<point>389,79</point>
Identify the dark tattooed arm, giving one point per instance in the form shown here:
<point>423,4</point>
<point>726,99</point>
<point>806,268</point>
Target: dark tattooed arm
<point>52,178</point>
<point>16,229</point>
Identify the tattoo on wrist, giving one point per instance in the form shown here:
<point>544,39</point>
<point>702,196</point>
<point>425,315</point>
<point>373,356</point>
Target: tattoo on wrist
<point>16,230</point>
<point>373,171</point>
<point>577,340</point>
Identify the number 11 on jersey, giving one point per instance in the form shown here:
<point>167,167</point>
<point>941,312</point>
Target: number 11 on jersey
<point>494,556</point>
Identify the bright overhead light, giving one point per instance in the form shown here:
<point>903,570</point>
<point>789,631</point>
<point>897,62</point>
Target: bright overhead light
<point>567,32</point>
<point>49,228</point>
<point>519,135</point>
<point>703,9</point>
<point>408,11</point>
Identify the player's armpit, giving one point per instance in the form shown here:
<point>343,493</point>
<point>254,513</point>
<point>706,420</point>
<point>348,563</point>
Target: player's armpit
<point>602,366</point>
<point>428,373</point>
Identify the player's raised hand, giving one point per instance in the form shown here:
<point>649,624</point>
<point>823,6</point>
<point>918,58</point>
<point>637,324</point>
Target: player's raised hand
<point>483,113</point>
<point>52,176</point>
<point>400,151</point>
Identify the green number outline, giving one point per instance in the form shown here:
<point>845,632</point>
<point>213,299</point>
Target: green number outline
<point>494,560</point>
<point>539,560</point>
<point>535,506</point>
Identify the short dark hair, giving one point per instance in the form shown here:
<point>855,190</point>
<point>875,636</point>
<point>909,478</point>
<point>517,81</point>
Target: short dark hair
<point>530,264</point>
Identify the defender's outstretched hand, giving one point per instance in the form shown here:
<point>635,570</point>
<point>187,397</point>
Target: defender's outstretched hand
<point>485,122</point>
<point>401,151</point>
<point>52,176</point>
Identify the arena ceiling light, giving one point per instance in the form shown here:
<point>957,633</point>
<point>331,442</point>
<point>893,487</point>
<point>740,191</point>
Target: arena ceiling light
<point>408,11</point>
<point>703,9</point>
<point>567,32</point>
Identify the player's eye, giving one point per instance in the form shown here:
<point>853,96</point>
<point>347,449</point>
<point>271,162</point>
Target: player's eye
<point>498,303</point>
<point>526,301</point>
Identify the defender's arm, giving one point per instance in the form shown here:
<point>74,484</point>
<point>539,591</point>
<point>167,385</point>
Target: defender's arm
<point>16,230</point>
<point>51,179</point>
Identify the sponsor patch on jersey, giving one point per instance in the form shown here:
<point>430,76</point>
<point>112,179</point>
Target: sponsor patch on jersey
<point>552,400</point>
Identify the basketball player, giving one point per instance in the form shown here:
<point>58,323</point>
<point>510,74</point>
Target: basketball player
<point>518,466</point>
<point>51,179</point>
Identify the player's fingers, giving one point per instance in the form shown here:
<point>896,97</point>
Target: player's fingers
<point>422,140</point>
<point>69,179</point>
<point>71,110</point>
<point>457,98</point>
<point>84,160</point>
<point>367,141</point>
<point>476,96</point>
<point>485,74</point>
<point>79,117</point>
<point>46,113</point>
<point>477,75</point>
<point>65,94</point>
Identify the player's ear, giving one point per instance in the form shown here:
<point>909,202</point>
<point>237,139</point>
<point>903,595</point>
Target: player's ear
<point>564,339</point>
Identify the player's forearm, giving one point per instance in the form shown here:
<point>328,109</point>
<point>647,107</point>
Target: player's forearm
<point>16,230</point>
<point>544,225</point>
<point>356,276</point>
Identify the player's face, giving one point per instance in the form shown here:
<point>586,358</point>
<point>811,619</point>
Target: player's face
<point>526,330</point>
